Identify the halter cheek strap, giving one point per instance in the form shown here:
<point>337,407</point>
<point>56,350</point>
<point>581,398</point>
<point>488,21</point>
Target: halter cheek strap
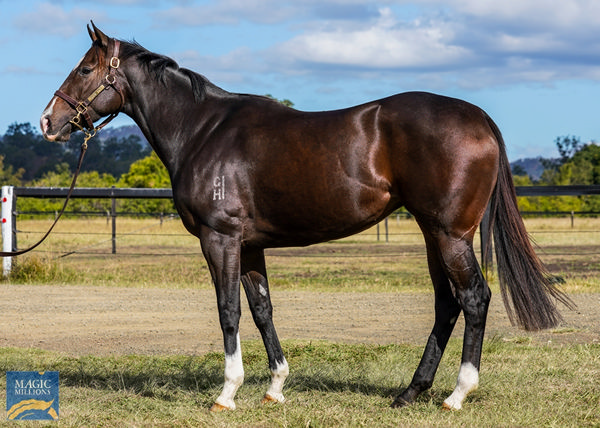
<point>81,107</point>
<point>89,130</point>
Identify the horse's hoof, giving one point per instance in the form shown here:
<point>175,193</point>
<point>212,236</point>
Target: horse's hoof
<point>447,407</point>
<point>399,402</point>
<point>217,408</point>
<point>267,399</point>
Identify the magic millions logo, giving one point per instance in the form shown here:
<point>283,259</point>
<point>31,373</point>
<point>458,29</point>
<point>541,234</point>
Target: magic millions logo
<point>32,395</point>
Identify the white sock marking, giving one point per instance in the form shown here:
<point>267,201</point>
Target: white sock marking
<point>468,380</point>
<point>278,377</point>
<point>234,377</point>
<point>262,290</point>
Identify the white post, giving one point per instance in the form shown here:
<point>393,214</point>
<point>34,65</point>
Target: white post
<point>7,232</point>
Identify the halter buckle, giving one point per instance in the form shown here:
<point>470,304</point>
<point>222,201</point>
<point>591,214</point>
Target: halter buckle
<point>114,62</point>
<point>80,108</point>
<point>111,79</point>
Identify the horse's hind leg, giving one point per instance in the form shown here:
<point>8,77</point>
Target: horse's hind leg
<point>474,297</point>
<point>447,310</point>
<point>254,279</point>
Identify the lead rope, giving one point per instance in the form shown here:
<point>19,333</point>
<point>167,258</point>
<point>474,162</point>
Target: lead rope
<point>84,147</point>
<point>81,109</point>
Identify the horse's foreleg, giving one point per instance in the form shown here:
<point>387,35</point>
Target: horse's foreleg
<point>254,279</point>
<point>447,310</point>
<point>222,254</point>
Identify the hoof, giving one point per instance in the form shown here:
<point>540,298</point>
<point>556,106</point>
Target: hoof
<point>217,408</point>
<point>267,399</point>
<point>448,407</point>
<point>399,402</point>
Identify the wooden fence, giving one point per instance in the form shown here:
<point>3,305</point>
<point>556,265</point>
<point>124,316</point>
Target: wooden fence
<point>11,194</point>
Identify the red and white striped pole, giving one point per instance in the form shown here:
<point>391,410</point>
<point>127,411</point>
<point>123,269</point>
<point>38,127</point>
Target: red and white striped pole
<point>7,232</point>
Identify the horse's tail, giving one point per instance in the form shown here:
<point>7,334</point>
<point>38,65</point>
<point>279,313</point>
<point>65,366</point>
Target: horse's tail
<point>524,280</point>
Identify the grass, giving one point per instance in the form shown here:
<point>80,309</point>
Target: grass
<point>153,255</point>
<point>330,385</point>
<point>522,383</point>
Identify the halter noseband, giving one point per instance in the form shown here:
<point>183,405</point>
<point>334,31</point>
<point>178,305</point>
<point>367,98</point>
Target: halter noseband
<point>81,107</point>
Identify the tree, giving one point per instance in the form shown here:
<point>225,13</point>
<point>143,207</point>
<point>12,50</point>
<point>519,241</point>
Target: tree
<point>114,155</point>
<point>24,148</point>
<point>567,147</point>
<point>581,167</point>
<point>285,101</point>
<point>62,177</point>
<point>147,173</point>
<point>518,170</point>
<point>7,175</point>
<point>579,164</point>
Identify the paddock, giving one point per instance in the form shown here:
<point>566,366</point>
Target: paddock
<point>136,337</point>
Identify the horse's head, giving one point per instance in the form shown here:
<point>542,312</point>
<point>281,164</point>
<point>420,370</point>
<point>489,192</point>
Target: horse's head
<point>92,90</point>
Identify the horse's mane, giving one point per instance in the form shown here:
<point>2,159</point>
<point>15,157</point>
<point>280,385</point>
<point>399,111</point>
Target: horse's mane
<point>157,65</point>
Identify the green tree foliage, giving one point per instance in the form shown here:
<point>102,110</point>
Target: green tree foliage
<point>147,173</point>
<point>578,164</point>
<point>114,155</point>
<point>285,101</point>
<point>62,177</point>
<point>25,149</point>
<point>583,168</point>
<point>8,177</point>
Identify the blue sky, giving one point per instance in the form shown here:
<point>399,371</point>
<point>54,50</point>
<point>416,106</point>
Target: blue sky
<point>533,67</point>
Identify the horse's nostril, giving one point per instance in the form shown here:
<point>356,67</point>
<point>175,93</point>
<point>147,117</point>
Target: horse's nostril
<point>45,124</point>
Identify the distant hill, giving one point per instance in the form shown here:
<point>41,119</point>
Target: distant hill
<point>122,132</point>
<point>532,166</point>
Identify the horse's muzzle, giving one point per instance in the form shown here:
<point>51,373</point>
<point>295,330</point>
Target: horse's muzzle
<point>62,135</point>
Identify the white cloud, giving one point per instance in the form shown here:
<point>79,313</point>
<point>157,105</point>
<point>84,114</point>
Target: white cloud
<point>228,12</point>
<point>385,43</point>
<point>53,19</point>
<point>466,43</point>
<point>233,12</point>
<point>565,14</point>
<point>222,69</point>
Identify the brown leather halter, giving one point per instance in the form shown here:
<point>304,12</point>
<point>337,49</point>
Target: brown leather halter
<point>81,107</point>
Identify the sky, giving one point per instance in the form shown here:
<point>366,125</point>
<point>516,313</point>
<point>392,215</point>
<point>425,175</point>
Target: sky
<point>533,65</point>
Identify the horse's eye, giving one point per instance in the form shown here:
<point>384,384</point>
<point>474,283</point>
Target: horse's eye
<point>84,71</point>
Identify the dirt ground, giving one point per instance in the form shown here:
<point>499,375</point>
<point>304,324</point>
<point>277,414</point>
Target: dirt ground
<point>114,321</point>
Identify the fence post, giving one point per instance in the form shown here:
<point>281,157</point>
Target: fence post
<point>572,219</point>
<point>7,227</point>
<point>113,214</point>
<point>387,234</point>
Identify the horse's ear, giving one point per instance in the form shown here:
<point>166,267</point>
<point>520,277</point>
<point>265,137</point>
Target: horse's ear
<point>91,33</point>
<point>96,35</point>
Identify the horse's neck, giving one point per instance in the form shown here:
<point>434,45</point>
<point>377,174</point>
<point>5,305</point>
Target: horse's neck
<point>163,110</point>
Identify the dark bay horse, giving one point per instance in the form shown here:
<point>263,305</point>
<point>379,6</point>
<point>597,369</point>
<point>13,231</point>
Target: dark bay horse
<point>249,173</point>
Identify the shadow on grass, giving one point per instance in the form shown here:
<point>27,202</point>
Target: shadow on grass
<point>207,378</point>
<point>162,377</point>
<point>379,371</point>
